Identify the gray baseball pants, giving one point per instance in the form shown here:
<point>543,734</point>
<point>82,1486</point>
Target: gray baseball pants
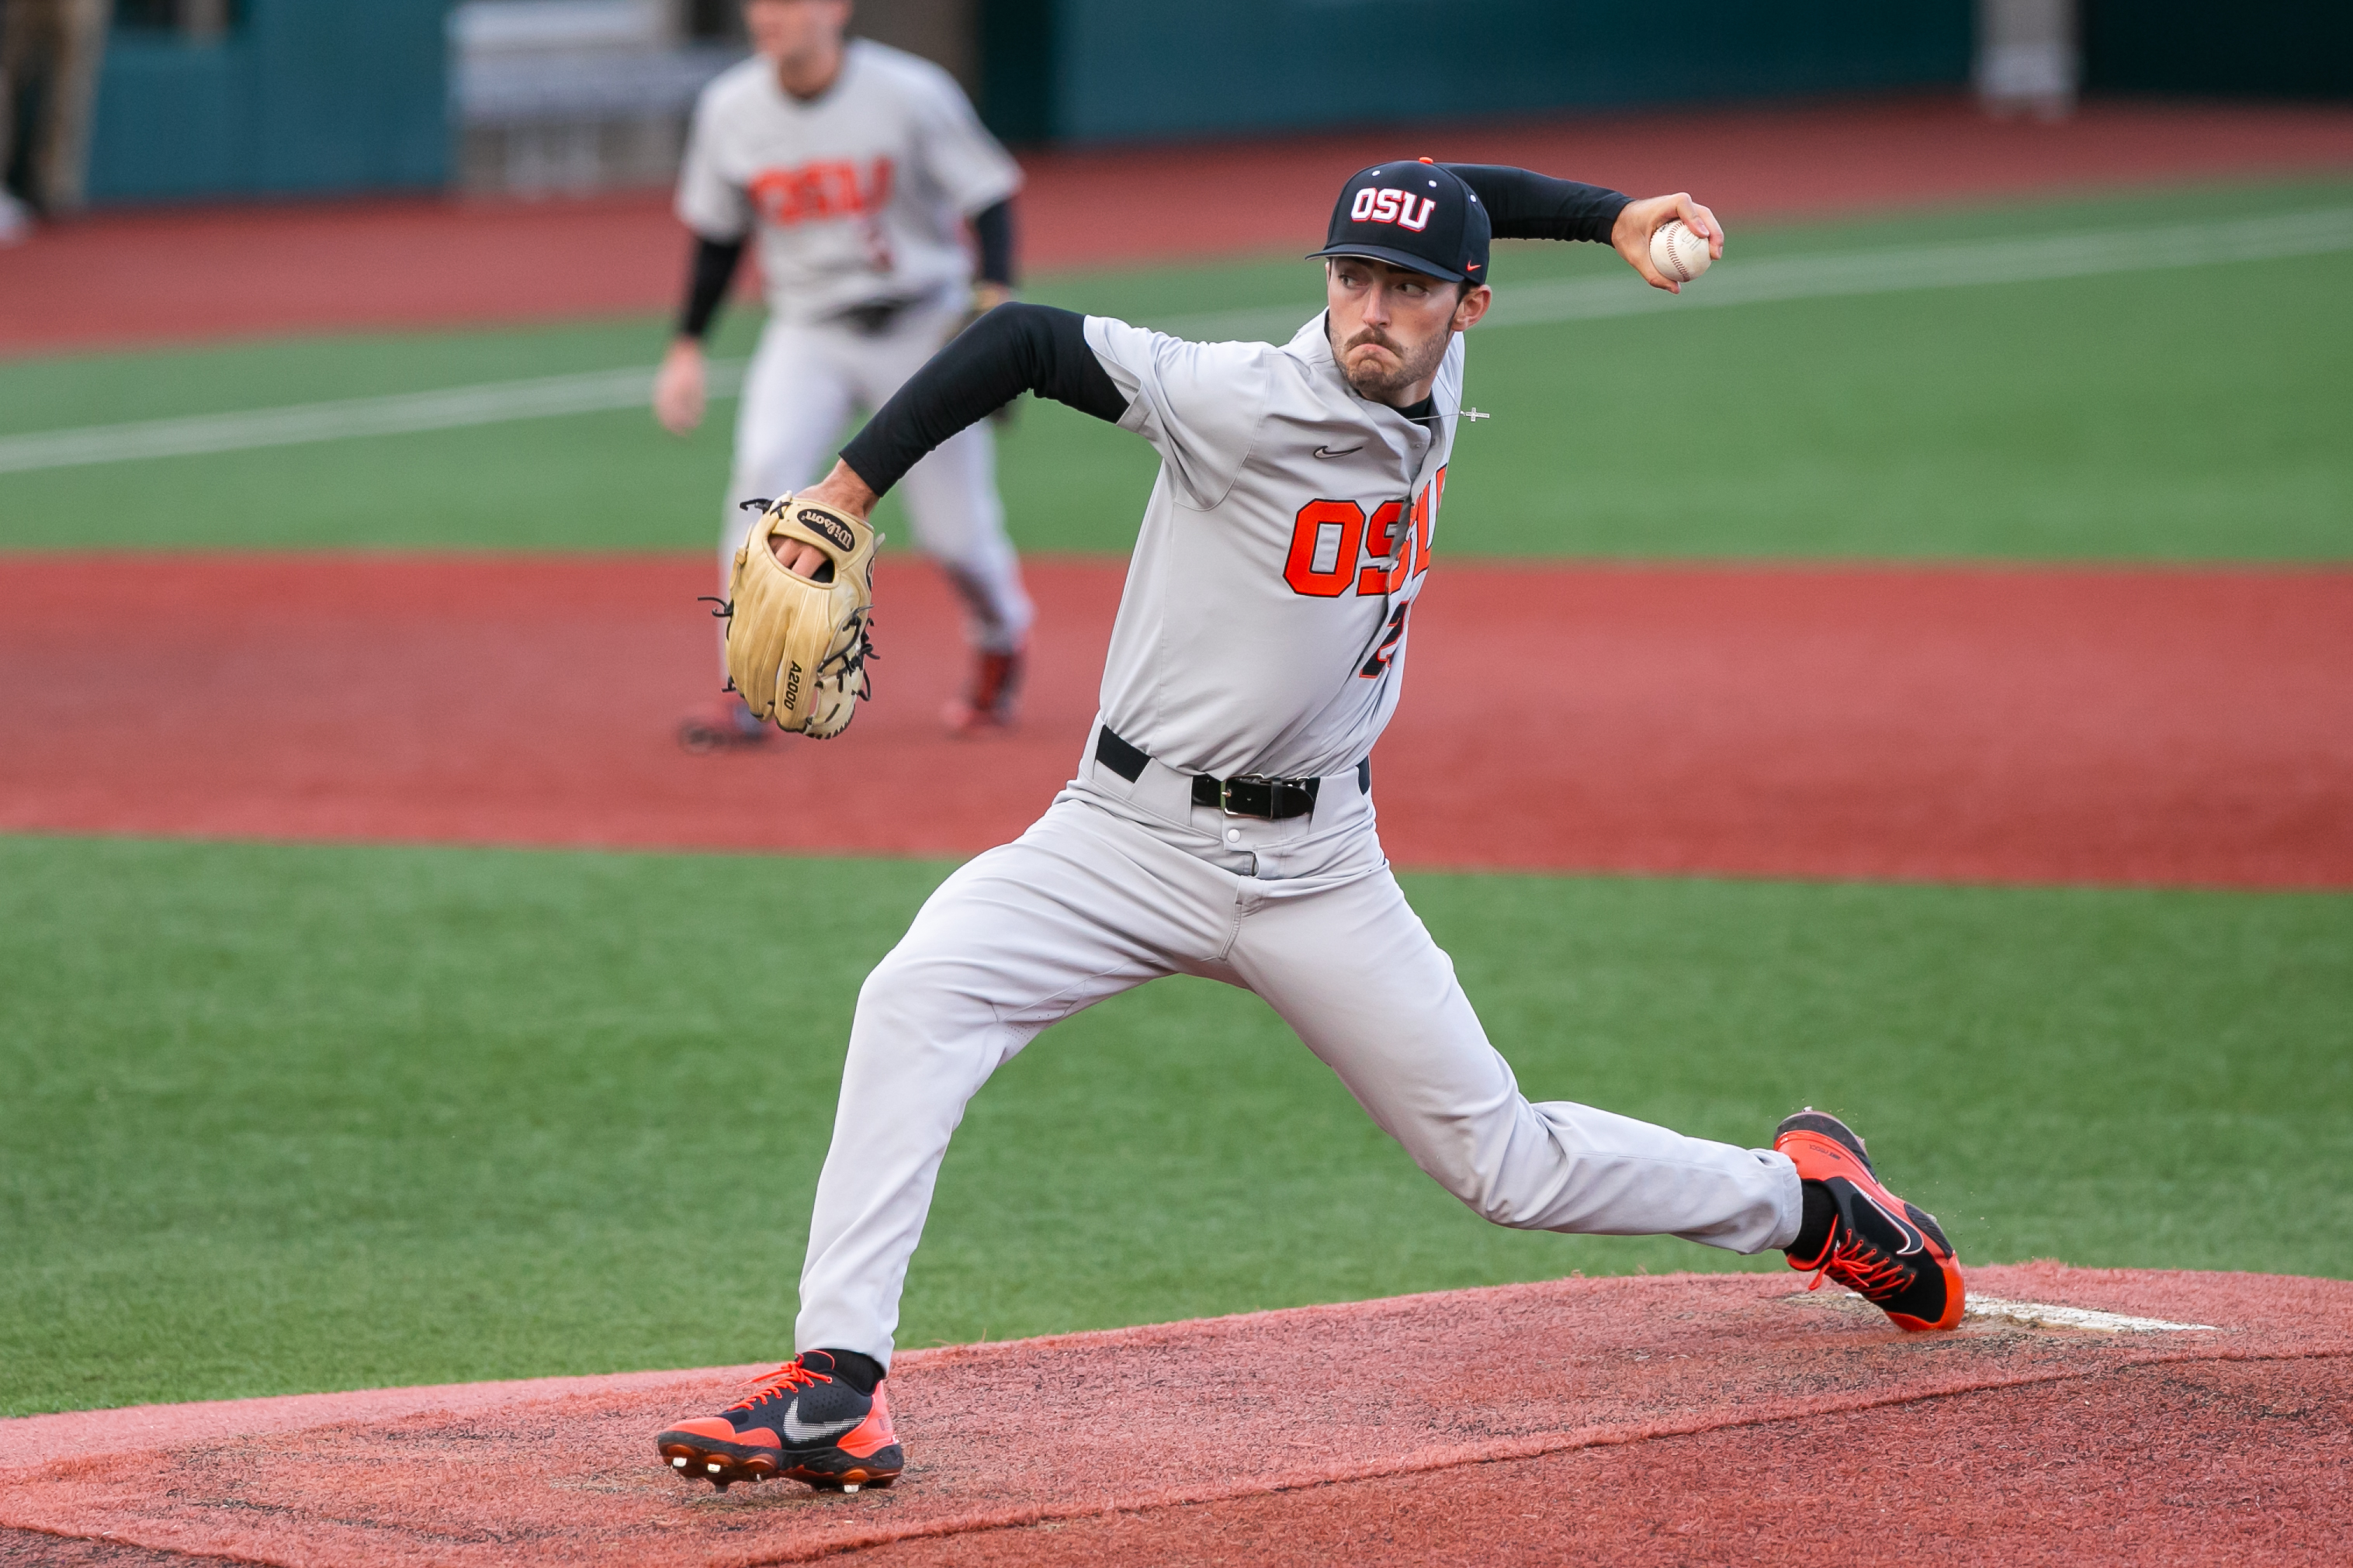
<point>1121,883</point>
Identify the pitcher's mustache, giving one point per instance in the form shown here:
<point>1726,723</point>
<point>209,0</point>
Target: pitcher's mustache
<point>1373,335</point>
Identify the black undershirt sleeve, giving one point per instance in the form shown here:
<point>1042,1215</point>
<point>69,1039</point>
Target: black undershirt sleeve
<point>713,268</point>
<point>1012,350</point>
<point>992,227</point>
<point>1523,205</point>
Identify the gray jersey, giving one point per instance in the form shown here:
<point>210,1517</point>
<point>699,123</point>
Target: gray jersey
<point>1265,622</point>
<point>859,195</point>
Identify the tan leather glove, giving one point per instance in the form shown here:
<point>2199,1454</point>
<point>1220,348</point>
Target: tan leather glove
<point>796,649</point>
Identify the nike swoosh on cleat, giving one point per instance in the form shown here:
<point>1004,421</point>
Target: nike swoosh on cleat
<point>1327,452</point>
<point>1914,1240</point>
<point>800,1431</point>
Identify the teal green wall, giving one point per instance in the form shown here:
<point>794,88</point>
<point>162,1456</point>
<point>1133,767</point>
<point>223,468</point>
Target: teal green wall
<point>303,97</point>
<point>2287,48</point>
<point>1103,70</point>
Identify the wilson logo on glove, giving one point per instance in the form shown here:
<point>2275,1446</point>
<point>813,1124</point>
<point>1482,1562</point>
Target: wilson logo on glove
<point>828,524</point>
<point>797,646</point>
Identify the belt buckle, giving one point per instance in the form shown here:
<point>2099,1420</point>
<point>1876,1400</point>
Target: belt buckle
<point>1226,796</point>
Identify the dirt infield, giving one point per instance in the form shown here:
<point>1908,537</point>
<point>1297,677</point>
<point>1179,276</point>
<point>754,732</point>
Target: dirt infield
<point>137,278</point>
<point>2153,727</point>
<point>1674,1419</point>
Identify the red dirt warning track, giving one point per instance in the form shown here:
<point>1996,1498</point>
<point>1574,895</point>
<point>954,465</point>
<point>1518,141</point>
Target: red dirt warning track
<point>1686,1418</point>
<point>2155,727</point>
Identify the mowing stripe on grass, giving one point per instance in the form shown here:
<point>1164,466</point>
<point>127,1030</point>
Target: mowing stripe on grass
<point>1893,270</point>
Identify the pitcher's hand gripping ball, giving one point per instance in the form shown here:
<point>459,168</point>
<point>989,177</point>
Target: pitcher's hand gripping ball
<point>1677,252</point>
<point>797,647</point>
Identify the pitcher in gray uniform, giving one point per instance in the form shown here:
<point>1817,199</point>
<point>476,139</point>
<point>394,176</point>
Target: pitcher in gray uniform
<point>1222,820</point>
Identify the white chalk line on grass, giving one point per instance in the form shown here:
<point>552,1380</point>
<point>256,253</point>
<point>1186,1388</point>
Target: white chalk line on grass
<point>544,398</point>
<point>1890,271</point>
<point>1894,270</point>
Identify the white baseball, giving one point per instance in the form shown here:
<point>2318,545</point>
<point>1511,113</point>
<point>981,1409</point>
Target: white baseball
<point>1677,252</point>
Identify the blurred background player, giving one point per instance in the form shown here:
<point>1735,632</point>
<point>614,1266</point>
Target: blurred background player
<point>860,167</point>
<point>49,52</point>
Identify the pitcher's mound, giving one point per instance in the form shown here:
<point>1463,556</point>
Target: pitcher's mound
<point>2082,1415</point>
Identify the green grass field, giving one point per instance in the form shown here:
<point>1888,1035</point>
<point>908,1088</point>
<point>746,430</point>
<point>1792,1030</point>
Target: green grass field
<point>285,1119</point>
<point>2195,414</point>
<point>280,1118</point>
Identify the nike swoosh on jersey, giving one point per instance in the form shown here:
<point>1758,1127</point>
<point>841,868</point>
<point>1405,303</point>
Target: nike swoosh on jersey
<point>1327,452</point>
<point>800,1431</point>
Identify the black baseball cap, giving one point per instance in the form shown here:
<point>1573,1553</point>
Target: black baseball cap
<point>1412,213</point>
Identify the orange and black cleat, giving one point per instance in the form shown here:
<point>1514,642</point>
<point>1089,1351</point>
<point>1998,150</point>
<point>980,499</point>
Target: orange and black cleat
<point>991,699</point>
<point>1877,1246</point>
<point>802,1422</point>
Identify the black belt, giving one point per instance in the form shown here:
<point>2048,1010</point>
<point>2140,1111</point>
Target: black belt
<point>1251,794</point>
<point>875,318</point>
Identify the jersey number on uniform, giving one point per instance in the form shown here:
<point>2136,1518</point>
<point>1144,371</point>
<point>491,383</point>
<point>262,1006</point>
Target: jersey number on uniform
<point>1330,539</point>
<point>1385,649</point>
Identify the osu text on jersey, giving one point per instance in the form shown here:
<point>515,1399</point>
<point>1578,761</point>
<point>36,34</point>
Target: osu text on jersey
<point>821,189</point>
<point>1336,546</point>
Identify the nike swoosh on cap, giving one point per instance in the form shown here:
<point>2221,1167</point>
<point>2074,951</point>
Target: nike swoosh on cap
<point>1327,452</point>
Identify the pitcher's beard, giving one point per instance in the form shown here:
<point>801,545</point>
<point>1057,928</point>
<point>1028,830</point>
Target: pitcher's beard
<point>1377,385</point>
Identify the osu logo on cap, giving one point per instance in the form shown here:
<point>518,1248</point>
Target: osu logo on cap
<point>1384,204</point>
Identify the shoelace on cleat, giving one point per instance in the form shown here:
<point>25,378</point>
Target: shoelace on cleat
<point>768,1384</point>
<point>1862,1268</point>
